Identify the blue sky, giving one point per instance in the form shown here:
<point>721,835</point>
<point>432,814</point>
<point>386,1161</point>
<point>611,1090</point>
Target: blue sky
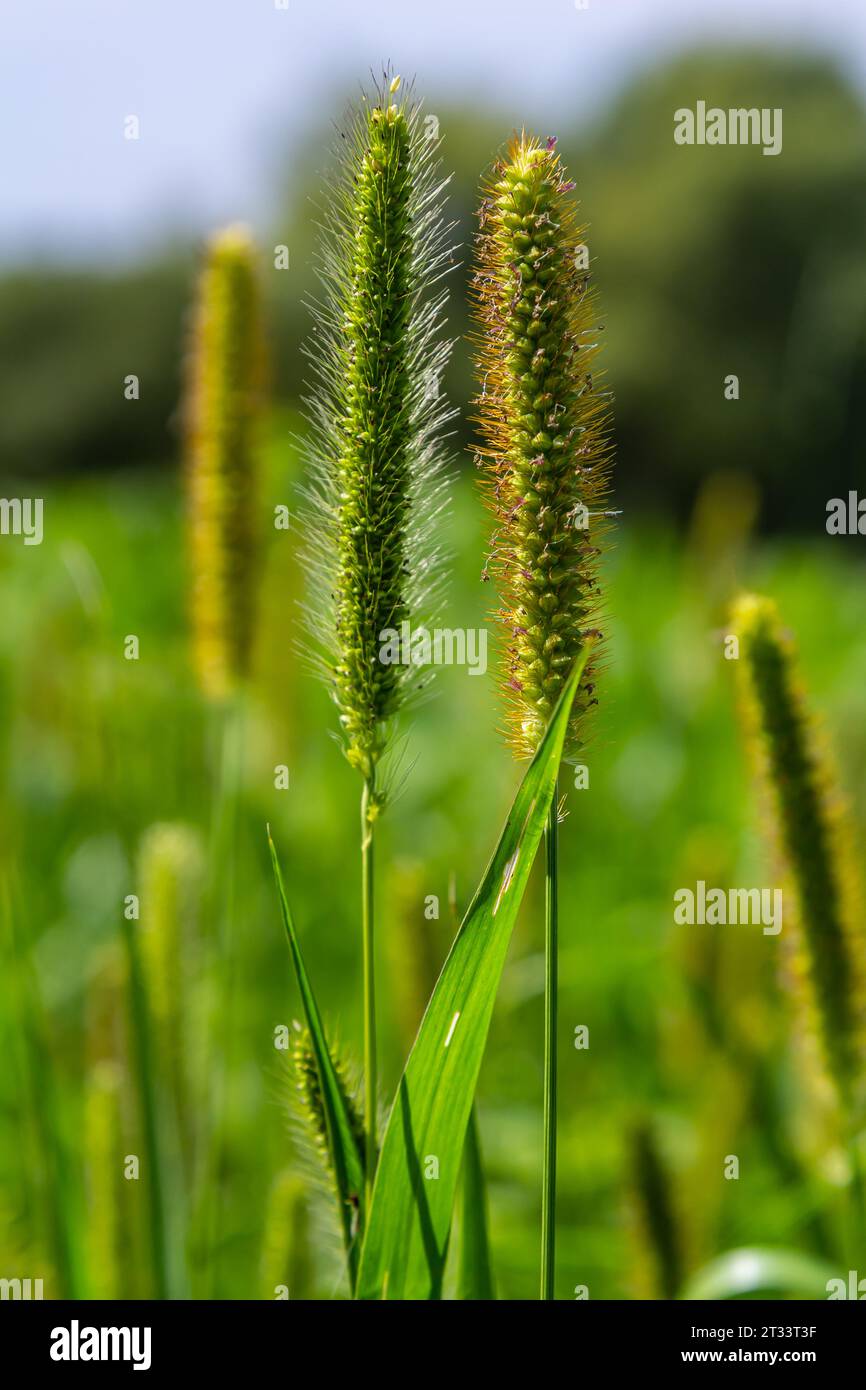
<point>225,88</point>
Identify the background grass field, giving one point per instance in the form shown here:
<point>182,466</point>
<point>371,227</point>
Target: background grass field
<point>708,262</point>
<point>98,748</point>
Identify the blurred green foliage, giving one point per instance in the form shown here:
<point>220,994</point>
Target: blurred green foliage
<point>710,262</point>
<point>687,1024</point>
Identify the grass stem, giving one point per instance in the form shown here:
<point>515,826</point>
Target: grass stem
<point>367,922</point>
<point>143,1045</point>
<point>548,1175</point>
<point>47,1168</point>
<point>220,912</point>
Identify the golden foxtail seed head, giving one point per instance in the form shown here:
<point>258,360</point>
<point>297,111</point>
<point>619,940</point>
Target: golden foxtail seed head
<point>543,417</point>
<point>224,389</point>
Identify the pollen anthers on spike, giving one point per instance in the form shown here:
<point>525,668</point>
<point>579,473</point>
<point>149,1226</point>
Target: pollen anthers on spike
<point>543,421</point>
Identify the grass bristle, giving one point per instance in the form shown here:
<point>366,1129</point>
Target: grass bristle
<point>543,418</point>
<point>376,413</point>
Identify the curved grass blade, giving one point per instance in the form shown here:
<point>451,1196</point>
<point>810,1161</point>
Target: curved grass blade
<point>475,1272</point>
<point>739,1273</point>
<point>409,1221</point>
<point>345,1155</point>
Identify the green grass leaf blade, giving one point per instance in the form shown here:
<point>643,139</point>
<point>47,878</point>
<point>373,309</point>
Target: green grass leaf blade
<point>409,1221</point>
<point>475,1272</point>
<point>345,1155</point>
<point>739,1273</point>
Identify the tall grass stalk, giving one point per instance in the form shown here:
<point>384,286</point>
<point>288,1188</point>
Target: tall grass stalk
<point>103,1140</point>
<point>220,910</point>
<point>551,997</point>
<point>223,406</point>
<point>376,490</point>
<point>170,865</point>
<point>545,460</point>
<point>826,959</point>
<point>48,1168</point>
<point>169,870</point>
<point>154,1162</point>
<point>368,901</point>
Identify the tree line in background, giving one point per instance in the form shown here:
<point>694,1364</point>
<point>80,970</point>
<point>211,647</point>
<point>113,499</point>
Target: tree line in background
<point>712,262</point>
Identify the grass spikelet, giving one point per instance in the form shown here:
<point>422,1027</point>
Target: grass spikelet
<point>376,415</point>
<point>810,828</point>
<point>224,388</point>
<point>544,453</point>
<point>310,1097</point>
<point>162,952</point>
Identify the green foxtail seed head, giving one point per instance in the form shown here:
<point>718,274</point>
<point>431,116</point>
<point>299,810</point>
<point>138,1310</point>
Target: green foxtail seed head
<point>310,1097</point>
<point>376,413</point>
<point>826,940</point>
<point>224,389</point>
<point>543,418</point>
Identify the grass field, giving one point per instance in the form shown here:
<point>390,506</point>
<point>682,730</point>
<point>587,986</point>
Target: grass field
<point>97,748</point>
